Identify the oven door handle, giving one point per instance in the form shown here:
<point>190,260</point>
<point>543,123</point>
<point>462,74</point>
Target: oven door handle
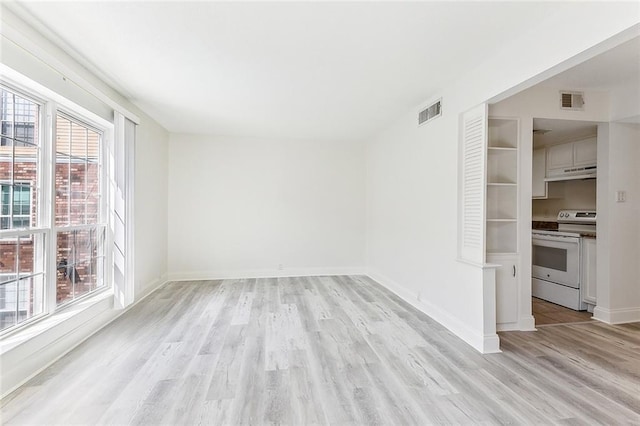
<point>559,238</point>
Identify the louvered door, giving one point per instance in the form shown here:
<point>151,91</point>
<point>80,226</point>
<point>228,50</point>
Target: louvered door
<point>473,184</point>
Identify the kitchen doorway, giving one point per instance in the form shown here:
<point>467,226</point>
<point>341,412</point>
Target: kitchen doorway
<point>563,226</point>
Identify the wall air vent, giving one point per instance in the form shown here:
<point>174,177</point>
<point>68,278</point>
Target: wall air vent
<point>429,113</point>
<point>572,100</point>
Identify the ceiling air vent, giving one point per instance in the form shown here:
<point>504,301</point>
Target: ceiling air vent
<point>572,100</point>
<point>429,113</point>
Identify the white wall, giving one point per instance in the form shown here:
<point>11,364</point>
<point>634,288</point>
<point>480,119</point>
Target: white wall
<point>412,173</point>
<point>242,207</point>
<point>412,223</point>
<point>627,102</point>
<point>618,269</point>
<point>570,194</point>
<point>151,213</point>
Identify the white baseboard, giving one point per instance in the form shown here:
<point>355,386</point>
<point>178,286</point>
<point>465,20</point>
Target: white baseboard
<point>47,342</point>
<point>263,273</point>
<point>526,323</point>
<point>152,286</point>
<point>475,338</point>
<point>616,316</point>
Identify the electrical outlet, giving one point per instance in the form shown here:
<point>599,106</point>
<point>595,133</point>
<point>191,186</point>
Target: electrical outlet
<point>621,196</point>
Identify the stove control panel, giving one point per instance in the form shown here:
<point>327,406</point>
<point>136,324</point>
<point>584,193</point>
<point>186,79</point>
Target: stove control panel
<point>577,216</point>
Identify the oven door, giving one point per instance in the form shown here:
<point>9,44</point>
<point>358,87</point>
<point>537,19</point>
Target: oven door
<point>557,259</point>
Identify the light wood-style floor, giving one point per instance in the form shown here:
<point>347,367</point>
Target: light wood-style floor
<point>320,350</point>
<point>547,313</point>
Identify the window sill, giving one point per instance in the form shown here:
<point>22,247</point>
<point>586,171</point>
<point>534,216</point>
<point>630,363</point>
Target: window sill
<point>63,316</point>
<point>30,350</point>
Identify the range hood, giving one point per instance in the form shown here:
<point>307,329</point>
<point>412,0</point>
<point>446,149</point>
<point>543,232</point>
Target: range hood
<point>573,173</point>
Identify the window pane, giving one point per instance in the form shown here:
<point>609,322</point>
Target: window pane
<point>19,158</point>
<point>8,304</point>
<point>20,300</point>
<point>21,279</point>
<point>78,180</point>
<point>64,261</point>
<point>21,199</point>
<point>5,199</point>
<point>93,193</point>
<point>80,264</point>
<point>7,131</point>
<point>6,164</point>
<point>25,134</point>
<point>63,135</point>
<point>83,279</point>
<point>8,259</point>
<point>93,146</point>
<point>6,106</point>
<point>78,194</point>
<point>63,195</point>
<point>78,202</point>
<point>78,141</point>
<point>20,222</point>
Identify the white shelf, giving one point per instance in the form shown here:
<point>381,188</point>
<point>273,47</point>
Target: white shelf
<point>502,166</point>
<point>501,148</point>
<point>502,201</point>
<point>503,133</point>
<point>502,187</point>
<point>501,236</point>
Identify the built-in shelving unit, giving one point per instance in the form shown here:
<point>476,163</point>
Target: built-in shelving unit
<point>502,217</point>
<point>502,186</point>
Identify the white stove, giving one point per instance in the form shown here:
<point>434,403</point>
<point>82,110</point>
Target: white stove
<point>556,258</point>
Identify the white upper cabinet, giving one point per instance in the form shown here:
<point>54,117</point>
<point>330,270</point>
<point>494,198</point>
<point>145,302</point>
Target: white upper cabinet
<point>577,154</point>
<point>560,156</point>
<point>585,152</point>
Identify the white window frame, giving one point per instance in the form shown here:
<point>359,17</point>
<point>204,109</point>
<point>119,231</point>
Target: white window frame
<point>50,104</point>
<point>102,222</point>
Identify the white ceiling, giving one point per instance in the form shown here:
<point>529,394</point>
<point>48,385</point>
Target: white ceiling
<point>618,67</point>
<point>326,71</point>
<point>561,130</point>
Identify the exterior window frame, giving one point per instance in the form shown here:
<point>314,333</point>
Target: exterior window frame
<point>51,105</point>
<point>11,215</point>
